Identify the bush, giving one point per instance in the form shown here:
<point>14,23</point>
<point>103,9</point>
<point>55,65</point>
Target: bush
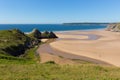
<point>50,62</point>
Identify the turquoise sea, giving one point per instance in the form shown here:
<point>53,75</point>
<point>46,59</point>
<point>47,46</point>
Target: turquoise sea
<point>49,27</point>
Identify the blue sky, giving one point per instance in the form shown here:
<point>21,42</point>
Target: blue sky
<point>58,11</point>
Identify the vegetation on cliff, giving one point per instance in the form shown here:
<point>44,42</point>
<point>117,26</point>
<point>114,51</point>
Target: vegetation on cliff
<point>14,42</point>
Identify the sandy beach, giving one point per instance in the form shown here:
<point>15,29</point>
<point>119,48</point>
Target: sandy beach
<point>98,44</point>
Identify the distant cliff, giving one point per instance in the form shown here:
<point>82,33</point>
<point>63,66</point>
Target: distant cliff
<point>93,24</point>
<point>113,27</point>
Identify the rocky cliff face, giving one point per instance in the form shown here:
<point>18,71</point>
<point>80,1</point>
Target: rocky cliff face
<point>48,35</point>
<point>35,34</point>
<point>113,27</point>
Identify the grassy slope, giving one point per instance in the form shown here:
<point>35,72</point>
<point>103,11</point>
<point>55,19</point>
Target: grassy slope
<point>26,68</point>
<point>11,37</point>
<point>28,58</point>
<point>57,72</point>
<point>10,40</point>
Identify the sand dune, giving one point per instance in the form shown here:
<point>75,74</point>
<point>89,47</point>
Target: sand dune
<point>100,45</point>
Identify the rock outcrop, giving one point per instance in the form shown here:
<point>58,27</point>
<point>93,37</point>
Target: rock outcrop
<point>35,34</point>
<point>38,35</point>
<point>52,35</point>
<point>47,35</point>
<point>113,27</point>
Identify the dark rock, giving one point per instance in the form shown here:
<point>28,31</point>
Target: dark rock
<point>52,35</point>
<point>36,34</point>
<point>45,34</point>
<point>48,35</point>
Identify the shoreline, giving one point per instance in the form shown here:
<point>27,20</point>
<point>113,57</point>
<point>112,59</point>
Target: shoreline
<point>104,48</point>
<point>64,31</point>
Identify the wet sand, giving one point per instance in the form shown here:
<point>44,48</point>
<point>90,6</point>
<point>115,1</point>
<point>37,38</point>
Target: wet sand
<point>46,49</point>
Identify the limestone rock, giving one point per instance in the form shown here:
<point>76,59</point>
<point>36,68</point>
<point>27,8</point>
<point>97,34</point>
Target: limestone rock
<point>113,27</point>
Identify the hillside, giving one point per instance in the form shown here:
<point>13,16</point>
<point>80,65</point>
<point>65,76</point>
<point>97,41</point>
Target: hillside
<point>113,27</point>
<point>15,42</point>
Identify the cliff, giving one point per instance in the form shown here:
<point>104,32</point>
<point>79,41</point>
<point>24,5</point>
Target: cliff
<point>113,27</point>
<point>15,42</point>
<point>35,34</point>
<point>47,35</point>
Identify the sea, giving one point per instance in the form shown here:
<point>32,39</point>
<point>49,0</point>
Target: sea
<point>50,27</point>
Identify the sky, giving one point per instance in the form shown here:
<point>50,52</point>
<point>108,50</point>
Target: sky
<point>58,11</point>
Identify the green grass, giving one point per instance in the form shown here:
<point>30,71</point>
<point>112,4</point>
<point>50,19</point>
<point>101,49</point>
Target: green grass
<point>57,72</point>
<point>11,37</point>
<point>28,58</point>
<point>31,55</point>
<point>12,42</point>
<point>26,68</point>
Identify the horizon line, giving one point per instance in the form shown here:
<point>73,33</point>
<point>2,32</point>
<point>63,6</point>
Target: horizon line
<point>59,23</point>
